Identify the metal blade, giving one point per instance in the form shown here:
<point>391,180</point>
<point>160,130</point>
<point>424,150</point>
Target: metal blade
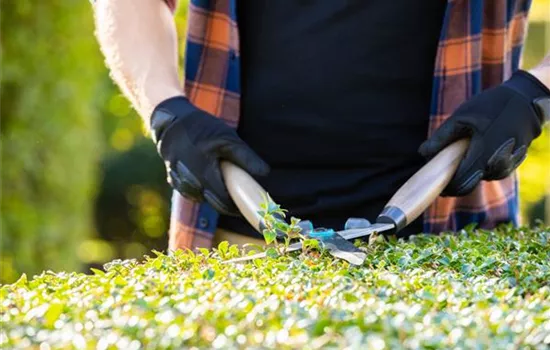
<point>344,249</point>
<point>354,258</point>
<point>291,248</point>
<point>361,232</point>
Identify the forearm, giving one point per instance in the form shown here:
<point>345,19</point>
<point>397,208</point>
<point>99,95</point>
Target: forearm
<point>542,71</point>
<point>138,39</point>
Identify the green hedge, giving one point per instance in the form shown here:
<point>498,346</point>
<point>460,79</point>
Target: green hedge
<point>475,289</point>
<point>49,131</point>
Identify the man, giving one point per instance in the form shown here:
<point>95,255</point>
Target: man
<point>328,104</point>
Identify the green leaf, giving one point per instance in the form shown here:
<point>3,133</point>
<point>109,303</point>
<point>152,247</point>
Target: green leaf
<point>223,247</point>
<point>350,298</point>
<point>404,261</point>
<point>209,274</point>
<point>294,221</point>
<point>97,272</point>
<point>319,327</point>
<point>273,207</point>
<point>233,250</point>
<point>270,236</point>
<point>271,253</point>
<point>22,281</point>
<point>53,313</point>
<point>281,226</point>
<point>157,253</point>
<point>120,281</point>
<point>253,246</point>
<point>466,268</point>
<point>257,263</point>
<point>158,264</point>
<point>204,251</point>
<point>310,243</point>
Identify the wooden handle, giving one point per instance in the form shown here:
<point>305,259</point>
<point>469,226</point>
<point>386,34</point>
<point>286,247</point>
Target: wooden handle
<point>424,186</point>
<point>245,192</point>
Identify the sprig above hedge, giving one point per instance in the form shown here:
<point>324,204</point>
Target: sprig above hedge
<point>471,289</point>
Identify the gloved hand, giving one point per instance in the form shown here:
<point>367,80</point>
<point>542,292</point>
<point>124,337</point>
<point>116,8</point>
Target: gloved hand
<point>192,142</point>
<point>501,122</point>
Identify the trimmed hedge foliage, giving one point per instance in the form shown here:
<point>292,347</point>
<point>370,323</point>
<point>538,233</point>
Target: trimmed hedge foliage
<point>475,289</point>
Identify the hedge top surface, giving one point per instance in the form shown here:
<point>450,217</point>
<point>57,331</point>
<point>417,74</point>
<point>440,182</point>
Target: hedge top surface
<point>474,289</point>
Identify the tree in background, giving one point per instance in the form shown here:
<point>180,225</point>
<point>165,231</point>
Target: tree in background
<point>50,135</point>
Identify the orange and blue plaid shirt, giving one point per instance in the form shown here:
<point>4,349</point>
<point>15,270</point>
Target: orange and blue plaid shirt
<point>480,46</point>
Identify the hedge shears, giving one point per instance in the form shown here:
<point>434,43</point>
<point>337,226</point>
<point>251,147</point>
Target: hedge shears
<point>408,203</point>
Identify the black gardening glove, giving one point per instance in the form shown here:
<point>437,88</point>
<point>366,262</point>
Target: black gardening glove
<point>192,142</point>
<point>501,122</point>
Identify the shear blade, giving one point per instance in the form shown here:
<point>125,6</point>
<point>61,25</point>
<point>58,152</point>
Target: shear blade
<point>291,248</point>
<point>339,247</point>
<point>357,257</point>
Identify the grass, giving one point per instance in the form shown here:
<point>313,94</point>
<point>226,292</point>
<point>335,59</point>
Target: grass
<point>473,289</point>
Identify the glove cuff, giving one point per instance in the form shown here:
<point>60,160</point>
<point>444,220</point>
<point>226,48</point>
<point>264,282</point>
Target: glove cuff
<point>166,112</point>
<point>527,84</point>
<point>532,89</point>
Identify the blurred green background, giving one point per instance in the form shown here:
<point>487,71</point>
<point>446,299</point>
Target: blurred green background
<point>81,182</point>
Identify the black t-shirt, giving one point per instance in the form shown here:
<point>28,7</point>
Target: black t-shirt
<point>335,97</point>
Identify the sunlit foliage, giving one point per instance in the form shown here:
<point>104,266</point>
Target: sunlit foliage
<point>473,289</point>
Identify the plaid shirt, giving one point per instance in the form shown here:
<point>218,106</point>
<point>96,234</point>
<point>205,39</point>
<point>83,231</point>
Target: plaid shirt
<point>480,46</point>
